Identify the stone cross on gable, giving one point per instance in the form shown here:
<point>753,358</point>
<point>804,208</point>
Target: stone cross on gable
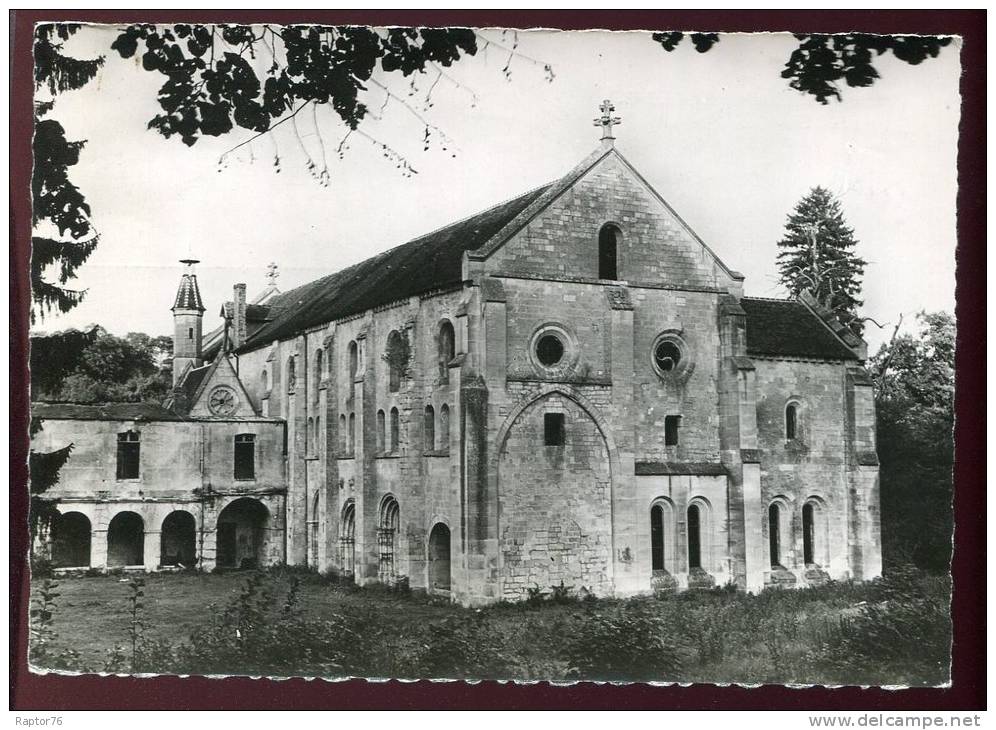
<point>606,121</point>
<point>272,273</point>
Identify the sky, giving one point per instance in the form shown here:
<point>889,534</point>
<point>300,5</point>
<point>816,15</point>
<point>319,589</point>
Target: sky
<point>720,135</point>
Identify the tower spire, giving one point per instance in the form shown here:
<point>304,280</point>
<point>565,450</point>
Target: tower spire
<point>188,314</point>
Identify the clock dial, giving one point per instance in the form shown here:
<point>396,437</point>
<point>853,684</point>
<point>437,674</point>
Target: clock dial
<point>223,401</point>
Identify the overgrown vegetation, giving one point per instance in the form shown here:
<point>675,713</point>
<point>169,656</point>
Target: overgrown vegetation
<point>291,622</point>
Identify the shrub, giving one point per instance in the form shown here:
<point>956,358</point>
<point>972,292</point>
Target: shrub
<point>465,645</point>
<point>623,642</point>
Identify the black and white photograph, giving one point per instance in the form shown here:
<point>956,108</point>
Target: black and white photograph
<point>492,353</point>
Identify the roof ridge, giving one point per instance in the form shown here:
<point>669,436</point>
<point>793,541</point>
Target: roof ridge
<point>790,300</point>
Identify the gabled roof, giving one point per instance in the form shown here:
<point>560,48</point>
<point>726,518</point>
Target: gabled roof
<point>188,296</point>
<point>103,412</point>
<point>788,327</point>
<point>432,261</point>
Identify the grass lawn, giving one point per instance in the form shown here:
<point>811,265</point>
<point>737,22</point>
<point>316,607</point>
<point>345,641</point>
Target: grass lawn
<point>890,632</point>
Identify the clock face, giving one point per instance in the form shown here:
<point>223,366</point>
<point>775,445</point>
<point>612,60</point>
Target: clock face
<point>223,401</point>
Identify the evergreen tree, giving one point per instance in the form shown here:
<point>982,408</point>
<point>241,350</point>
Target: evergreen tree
<point>817,254</point>
<point>62,236</point>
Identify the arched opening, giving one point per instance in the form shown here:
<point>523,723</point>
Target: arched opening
<point>814,537</point>
<point>429,434</point>
<point>179,540</point>
<point>353,363</point>
<point>342,434</point>
<point>347,539</point>
<point>381,427</point>
<point>439,558</point>
<point>774,535</point>
<point>791,421</point>
<point>319,357</point>
<point>447,349</point>
<point>265,380</point>
<point>319,442</point>
<point>242,534</point>
<point>387,539</point>
<point>395,429</point>
<point>126,540</point>
<point>657,537</point>
<point>291,374</point>
<point>444,428</point>
<point>608,241</point>
<point>395,361</point>
<point>309,431</point>
<point>71,540</point>
<point>351,435</point>
<point>313,529</point>
<point>694,537</point>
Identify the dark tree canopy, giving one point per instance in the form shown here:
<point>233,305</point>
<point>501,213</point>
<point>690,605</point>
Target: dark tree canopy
<point>914,397</point>
<point>817,254</point>
<point>822,61</point>
<point>97,367</point>
<point>226,76</point>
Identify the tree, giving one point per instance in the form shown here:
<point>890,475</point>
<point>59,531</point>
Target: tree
<point>62,234</point>
<point>914,398</point>
<point>821,61</point>
<point>817,255</point>
<point>97,367</point>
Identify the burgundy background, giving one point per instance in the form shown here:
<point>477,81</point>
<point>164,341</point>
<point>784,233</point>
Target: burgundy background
<point>29,691</point>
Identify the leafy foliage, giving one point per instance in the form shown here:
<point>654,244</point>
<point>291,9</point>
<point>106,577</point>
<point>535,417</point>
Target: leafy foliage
<point>914,397</point>
<point>817,254</point>
<point>63,236</point>
<point>226,76</point>
<point>97,367</point>
<point>821,62</point>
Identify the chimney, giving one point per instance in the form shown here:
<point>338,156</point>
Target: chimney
<point>239,325</point>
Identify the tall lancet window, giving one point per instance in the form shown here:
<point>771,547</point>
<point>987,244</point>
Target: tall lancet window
<point>608,244</point>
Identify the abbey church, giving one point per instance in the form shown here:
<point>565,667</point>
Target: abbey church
<point>569,388</point>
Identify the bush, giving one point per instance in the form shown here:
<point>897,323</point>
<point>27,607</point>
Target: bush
<point>626,642</point>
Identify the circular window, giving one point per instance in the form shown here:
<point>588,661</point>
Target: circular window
<point>667,355</point>
<point>549,349</point>
<point>671,357</point>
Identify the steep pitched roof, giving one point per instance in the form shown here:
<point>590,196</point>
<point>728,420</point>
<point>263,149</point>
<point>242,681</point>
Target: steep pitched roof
<point>789,327</point>
<point>188,296</point>
<point>429,262</point>
<point>103,412</point>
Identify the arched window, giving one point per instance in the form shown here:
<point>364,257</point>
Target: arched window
<point>129,454</point>
<point>291,374</point>
<point>387,539</point>
<point>694,537</point>
<point>318,436</point>
<point>775,535</point>
<point>396,357</point>
<point>608,242</point>
<point>444,428</point>
<point>395,429</point>
<point>429,434</point>
<point>657,537</point>
<point>309,439</point>
<point>319,356</point>
<point>380,432</point>
<point>347,539</point>
<point>353,357</point>
<point>447,349</point>
<point>791,421</point>
<point>813,539</point>
<point>342,435</point>
<point>351,435</point>
<point>265,379</point>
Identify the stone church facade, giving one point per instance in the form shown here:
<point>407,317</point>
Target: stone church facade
<point>569,388</point>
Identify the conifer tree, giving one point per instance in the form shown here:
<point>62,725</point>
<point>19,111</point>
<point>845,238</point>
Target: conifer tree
<point>62,237</point>
<point>817,254</point>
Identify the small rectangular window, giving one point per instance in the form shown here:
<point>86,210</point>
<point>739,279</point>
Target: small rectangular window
<point>671,424</point>
<point>129,449</point>
<point>553,429</point>
<point>190,333</point>
<point>245,456</point>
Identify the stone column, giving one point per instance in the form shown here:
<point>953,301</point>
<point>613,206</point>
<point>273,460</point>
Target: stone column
<point>98,549</point>
<point>151,549</point>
